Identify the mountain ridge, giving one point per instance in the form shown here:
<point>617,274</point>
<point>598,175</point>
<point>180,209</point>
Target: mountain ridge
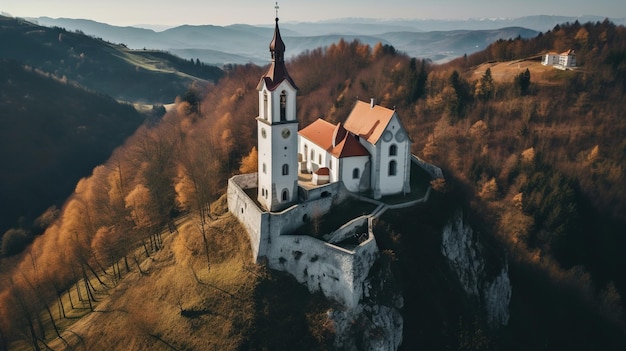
<point>243,43</point>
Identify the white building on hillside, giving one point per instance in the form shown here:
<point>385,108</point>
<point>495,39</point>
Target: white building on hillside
<point>564,61</point>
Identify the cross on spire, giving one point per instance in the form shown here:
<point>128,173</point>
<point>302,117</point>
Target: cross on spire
<point>276,7</point>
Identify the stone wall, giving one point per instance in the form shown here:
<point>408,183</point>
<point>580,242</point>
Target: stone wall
<point>338,272</point>
<point>434,171</point>
<point>248,212</point>
<point>326,190</point>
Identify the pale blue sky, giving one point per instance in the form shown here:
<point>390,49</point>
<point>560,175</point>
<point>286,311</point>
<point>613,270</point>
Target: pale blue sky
<point>177,12</point>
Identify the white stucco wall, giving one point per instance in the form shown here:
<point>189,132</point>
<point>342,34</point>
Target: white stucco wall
<point>550,60</point>
<point>272,113</point>
<point>313,164</point>
<point>273,152</point>
<point>394,184</point>
<point>347,166</point>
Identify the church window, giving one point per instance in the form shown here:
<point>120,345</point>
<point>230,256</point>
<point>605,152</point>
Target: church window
<point>306,151</point>
<point>319,159</point>
<point>285,196</point>
<point>393,150</point>
<point>285,169</point>
<point>266,109</point>
<point>312,155</point>
<point>264,168</point>
<point>355,173</point>
<point>283,106</point>
<point>392,168</point>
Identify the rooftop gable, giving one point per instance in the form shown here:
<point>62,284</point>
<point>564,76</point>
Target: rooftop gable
<point>369,122</point>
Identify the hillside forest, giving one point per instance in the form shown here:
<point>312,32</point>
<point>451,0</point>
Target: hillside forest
<point>535,156</point>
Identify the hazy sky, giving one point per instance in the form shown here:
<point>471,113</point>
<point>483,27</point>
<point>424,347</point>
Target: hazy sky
<point>176,12</point>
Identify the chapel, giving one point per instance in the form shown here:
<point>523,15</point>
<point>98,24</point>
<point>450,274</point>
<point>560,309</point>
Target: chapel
<point>370,153</point>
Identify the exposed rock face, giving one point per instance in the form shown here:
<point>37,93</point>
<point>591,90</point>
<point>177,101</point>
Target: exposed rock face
<point>466,256</point>
<point>376,323</point>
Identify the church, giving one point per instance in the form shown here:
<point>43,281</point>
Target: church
<point>304,174</point>
<point>370,153</point>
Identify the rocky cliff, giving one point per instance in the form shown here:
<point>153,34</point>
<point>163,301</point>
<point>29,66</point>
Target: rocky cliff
<point>376,323</point>
<point>483,276</point>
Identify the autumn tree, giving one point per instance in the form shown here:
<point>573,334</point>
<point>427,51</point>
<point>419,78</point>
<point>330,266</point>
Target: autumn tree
<point>144,213</point>
<point>459,97</point>
<point>250,163</point>
<point>198,177</point>
<point>484,88</point>
<point>416,80</point>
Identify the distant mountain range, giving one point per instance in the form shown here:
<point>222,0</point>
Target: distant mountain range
<point>438,40</point>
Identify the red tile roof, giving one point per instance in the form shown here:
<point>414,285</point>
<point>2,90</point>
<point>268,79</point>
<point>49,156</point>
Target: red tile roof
<point>569,52</point>
<point>322,134</point>
<point>367,122</point>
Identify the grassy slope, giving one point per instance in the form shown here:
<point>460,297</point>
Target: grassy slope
<point>234,305</point>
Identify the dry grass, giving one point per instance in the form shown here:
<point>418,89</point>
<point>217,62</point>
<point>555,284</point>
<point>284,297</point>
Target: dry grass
<point>179,303</point>
<point>505,72</point>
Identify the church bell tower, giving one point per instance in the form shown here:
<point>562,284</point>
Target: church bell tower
<point>277,129</point>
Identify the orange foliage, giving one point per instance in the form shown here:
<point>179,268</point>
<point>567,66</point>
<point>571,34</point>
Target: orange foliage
<point>250,163</point>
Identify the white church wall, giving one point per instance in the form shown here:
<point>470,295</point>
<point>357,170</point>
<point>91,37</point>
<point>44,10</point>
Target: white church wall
<point>348,164</point>
<point>317,157</point>
<point>394,183</point>
<point>290,103</point>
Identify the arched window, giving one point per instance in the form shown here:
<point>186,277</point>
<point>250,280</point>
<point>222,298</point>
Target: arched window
<point>266,106</point>
<point>393,150</point>
<point>312,155</point>
<point>264,168</point>
<point>285,196</point>
<point>306,151</point>
<point>319,159</point>
<point>392,168</point>
<point>285,169</point>
<point>355,173</point>
<point>283,106</point>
